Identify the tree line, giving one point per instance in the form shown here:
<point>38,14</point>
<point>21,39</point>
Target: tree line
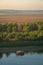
<point>25,31</point>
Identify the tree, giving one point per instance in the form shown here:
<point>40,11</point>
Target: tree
<point>1,37</point>
<point>9,27</point>
<point>0,27</point>
<point>15,27</point>
<point>26,27</point>
<point>20,27</point>
<point>4,28</point>
<point>33,27</point>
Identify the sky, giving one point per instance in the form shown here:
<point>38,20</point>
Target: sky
<point>21,4</point>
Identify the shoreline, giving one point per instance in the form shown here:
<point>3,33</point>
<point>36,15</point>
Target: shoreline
<point>25,49</point>
<point>20,43</point>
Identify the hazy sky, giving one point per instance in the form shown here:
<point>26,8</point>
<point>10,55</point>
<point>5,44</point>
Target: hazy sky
<point>22,4</point>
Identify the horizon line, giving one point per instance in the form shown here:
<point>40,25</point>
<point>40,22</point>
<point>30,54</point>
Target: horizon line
<point>20,9</point>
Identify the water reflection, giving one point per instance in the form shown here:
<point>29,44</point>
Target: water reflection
<point>7,54</point>
<point>31,56</point>
<point>27,50</point>
<point>25,53</point>
<point>1,54</point>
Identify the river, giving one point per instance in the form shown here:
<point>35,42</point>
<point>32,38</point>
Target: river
<point>29,58</point>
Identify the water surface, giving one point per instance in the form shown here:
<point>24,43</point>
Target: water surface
<point>26,59</point>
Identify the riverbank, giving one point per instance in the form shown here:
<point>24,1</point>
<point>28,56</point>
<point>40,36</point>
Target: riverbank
<point>21,43</point>
<point>25,49</point>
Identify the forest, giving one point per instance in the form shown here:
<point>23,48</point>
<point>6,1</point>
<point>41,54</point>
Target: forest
<point>26,34</point>
<point>25,31</point>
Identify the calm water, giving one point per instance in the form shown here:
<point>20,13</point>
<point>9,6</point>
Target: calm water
<point>27,59</point>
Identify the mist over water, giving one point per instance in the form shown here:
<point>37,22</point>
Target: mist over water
<point>21,12</point>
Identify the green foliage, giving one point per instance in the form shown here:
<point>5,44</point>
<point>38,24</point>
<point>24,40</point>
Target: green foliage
<point>12,35</point>
<point>33,27</point>
<point>1,38</point>
<point>15,27</point>
<point>26,28</point>
<point>20,27</point>
<point>4,35</point>
<point>4,28</point>
<point>28,31</point>
<point>9,27</point>
<point>0,27</point>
